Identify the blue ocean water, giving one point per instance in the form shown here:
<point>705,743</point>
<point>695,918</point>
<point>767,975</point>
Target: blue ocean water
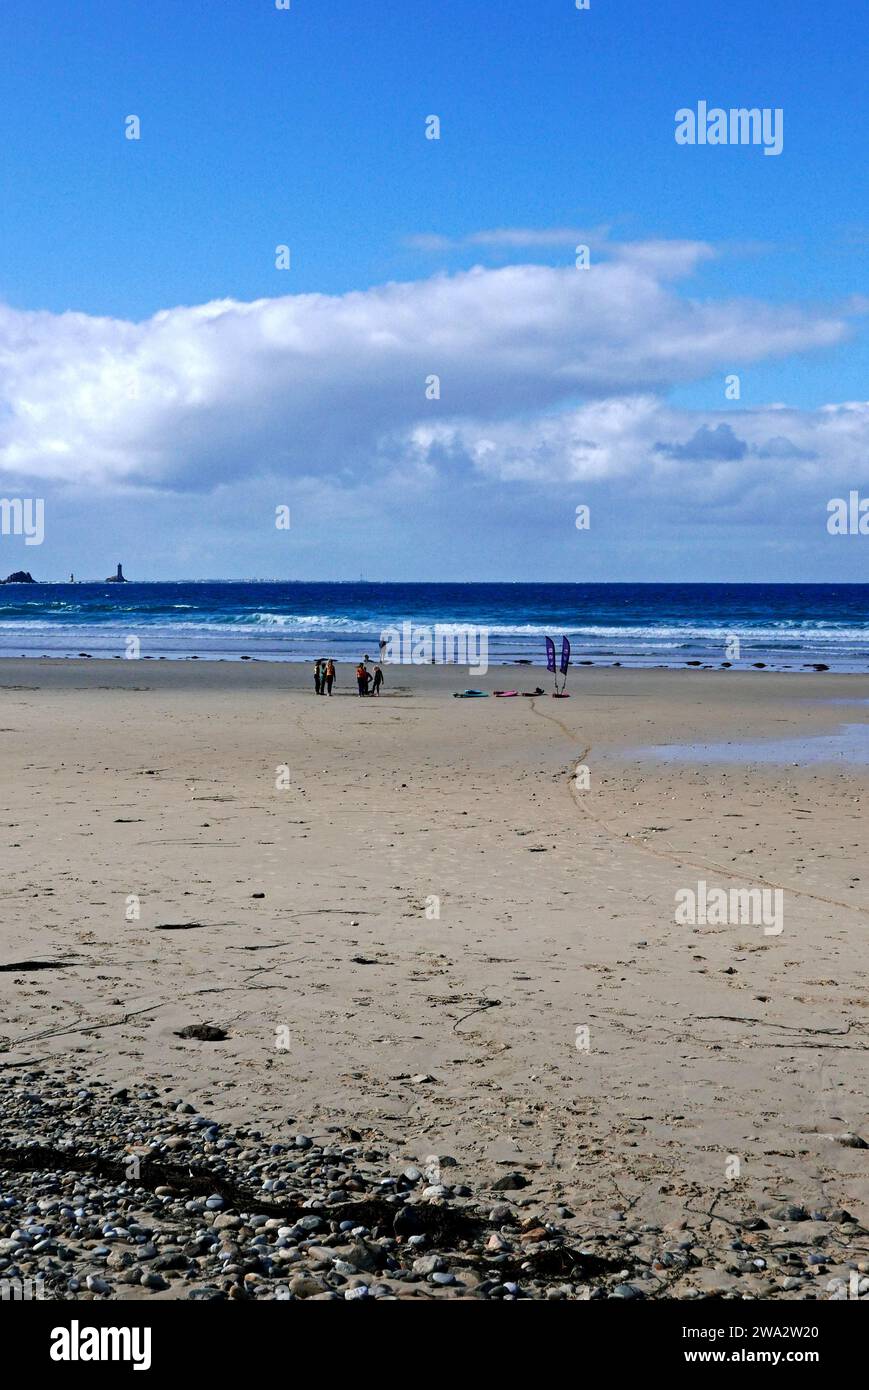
<point>784,625</point>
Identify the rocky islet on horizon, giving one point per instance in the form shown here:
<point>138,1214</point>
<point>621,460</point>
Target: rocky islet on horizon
<point>25,577</point>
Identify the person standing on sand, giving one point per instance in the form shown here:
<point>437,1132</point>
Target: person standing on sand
<point>330,675</point>
<point>318,678</point>
<point>363,676</point>
<point>378,681</point>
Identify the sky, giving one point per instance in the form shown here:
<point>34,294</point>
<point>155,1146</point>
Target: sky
<point>165,386</point>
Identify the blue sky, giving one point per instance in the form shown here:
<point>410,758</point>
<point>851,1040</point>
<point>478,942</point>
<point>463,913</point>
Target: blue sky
<point>261,127</point>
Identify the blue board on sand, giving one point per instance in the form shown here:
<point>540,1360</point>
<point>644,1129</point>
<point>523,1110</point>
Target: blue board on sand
<point>470,694</point>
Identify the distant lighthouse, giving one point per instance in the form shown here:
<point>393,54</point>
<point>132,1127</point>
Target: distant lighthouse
<point>117,578</point>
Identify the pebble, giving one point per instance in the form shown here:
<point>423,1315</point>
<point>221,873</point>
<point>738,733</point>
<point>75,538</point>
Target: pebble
<point>305,1286</point>
<point>75,1227</point>
<point>500,1213</point>
<point>851,1141</point>
<point>309,1223</point>
<point>510,1182</point>
<point>790,1213</point>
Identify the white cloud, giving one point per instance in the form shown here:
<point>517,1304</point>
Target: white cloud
<point>696,458</point>
<point>511,238</point>
<point>333,388</point>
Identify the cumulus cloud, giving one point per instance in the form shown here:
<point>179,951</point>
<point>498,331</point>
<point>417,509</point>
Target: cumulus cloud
<point>779,447</point>
<point>709,442</point>
<point>618,442</point>
<point>544,372</point>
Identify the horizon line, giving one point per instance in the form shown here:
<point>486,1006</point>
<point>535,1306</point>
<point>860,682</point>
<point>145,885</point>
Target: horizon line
<point>477,583</point>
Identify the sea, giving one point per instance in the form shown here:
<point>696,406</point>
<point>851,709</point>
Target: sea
<point>783,626</point>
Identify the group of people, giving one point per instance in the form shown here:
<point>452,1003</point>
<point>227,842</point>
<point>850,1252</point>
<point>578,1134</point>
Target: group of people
<point>324,677</point>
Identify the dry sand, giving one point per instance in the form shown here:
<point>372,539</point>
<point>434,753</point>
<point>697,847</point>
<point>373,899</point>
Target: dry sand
<point>345,1005</point>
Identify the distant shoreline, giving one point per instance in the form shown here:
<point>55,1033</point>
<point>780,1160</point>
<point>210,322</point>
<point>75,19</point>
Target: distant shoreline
<point>583,681</point>
<point>517,664</point>
<point>477,583</point>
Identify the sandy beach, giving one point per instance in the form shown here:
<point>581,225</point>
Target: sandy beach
<point>404,912</point>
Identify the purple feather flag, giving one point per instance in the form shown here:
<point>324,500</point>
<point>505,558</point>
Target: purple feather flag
<point>550,654</point>
<point>565,655</point>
